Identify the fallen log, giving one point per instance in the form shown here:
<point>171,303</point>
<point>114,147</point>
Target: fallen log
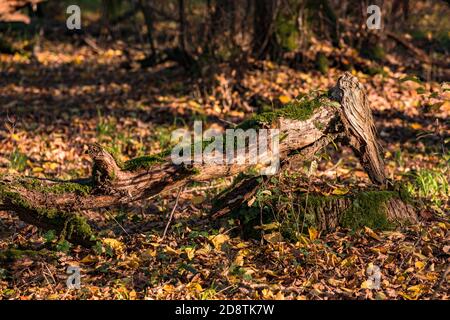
<point>305,125</point>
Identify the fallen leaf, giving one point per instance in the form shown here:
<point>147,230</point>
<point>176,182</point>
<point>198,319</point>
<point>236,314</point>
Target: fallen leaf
<point>219,240</point>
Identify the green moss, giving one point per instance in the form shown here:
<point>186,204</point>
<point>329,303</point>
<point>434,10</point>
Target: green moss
<point>144,162</point>
<point>68,224</point>
<point>354,211</point>
<point>12,254</point>
<point>15,253</point>
<point>299,109</point>
<point>368,209</point>
<point>57,188</point>
<point>314,202</point>
<point>75,224</point>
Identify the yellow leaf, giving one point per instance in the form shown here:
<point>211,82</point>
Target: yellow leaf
<point>442,225</point>
<point>371,233</point>
<point>273,237</point>
<point>168,288</point>
<point>190,253</point>
<point>368,284</point>
<point>340,191</point>
<point>78,60</point>
<point>205,250</point>
<point>51,166</point>
<point>416,126</point>
<point>194,286</point>
<point>267,294</point>
<point>271,273</point>
<point>270,65</point>
<point>114,244</point>
<point>239,260</point>
<point>312,233</point>
<point>15,137</point>
<point>269,226</point>
<point>419,265</point>
<point>334,282</point>
<point>132,262</point>
<point>241,245</point>
<point>380,296</point>
<point>171,251</point>
<point>445,107</point>
<point>284,99</point>
<point>279,296</point>
<point>193,104</point>
<point>415,290</point>
<point>218,240</point>
<point>37,170</point>
<point>89,259</point>
<point>148,254</point>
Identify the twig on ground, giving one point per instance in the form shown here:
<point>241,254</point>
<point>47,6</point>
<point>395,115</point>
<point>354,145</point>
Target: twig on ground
<point>173,210</point>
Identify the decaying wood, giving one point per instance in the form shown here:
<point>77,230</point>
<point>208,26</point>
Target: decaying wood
<point>348,117</point>
<point>359,126</point>
<point>329,214</point>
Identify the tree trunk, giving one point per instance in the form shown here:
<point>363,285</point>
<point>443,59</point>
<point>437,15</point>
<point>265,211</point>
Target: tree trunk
<point>264,39</point>
<point>306,126</point>
<point>148,17</point>
<point>182,22</point>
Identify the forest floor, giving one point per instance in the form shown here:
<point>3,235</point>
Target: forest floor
<point>72,96</point>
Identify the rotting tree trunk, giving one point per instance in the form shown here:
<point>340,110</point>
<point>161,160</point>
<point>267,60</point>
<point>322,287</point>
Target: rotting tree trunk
<point>306,126</point>
<point>375,209</point>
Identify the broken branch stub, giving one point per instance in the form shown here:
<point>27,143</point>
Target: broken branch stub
<point>356,116</point>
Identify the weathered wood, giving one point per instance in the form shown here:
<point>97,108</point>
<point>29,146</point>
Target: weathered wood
<point>306,126</point>
<point>359,126</point>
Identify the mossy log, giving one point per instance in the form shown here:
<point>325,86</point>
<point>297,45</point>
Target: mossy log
<point>306,125</point>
